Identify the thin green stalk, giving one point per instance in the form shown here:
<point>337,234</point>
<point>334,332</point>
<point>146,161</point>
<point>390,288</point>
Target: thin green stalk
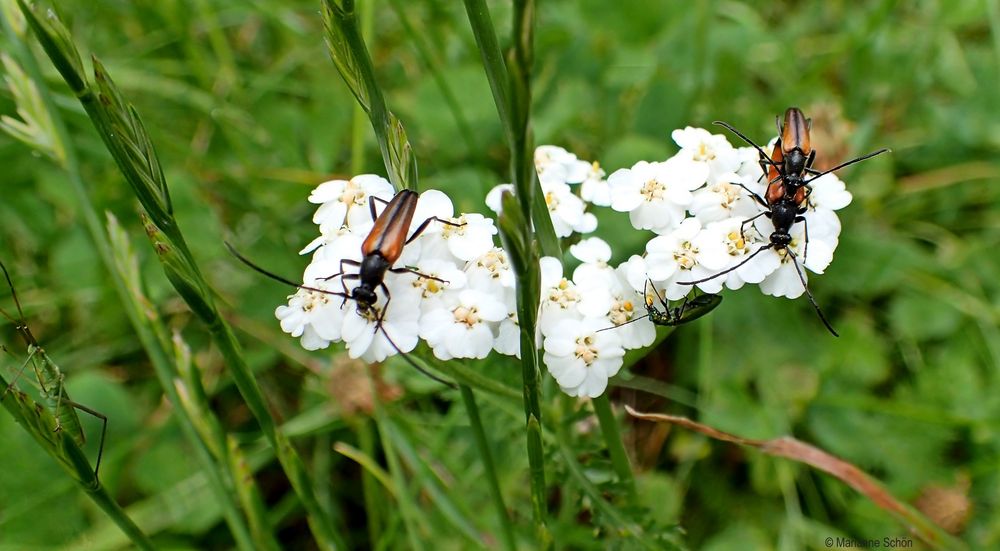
<point>507,529</point>
<point>705,378</point>
<point>219,480</point>
<point>407,510</point>
<point>350,56</point>
<point>367,16</point>
<point>496,69</point>
<point>123,133</point>
<point>613,440</point>
<point>512,94</point>
<point>510,87</point>
<point>115,512</point>
<point>60,445</point>
<point>429,482</point>
<point>323,466</point>
<point>464,375</point>
<point>225,448</point>
<point>374,498</point>
<point>320,521</point>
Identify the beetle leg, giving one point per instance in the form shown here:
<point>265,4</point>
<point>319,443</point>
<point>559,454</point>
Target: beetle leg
<point>805,229</point>
<point>743,225</point>
<point>388,299</point>
<point>423,226</point>
<point>809,294</point>
<point>680,311</point>
<point>809,191</point>
<point>342,273</point>
<point>371,205</point>
<point>760,200</point>
<point>414,272</point>
<point>659,296</point>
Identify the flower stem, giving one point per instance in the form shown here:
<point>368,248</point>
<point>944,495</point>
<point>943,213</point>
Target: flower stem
<point>484,453</point>
<point>613,440</point>
<point>350,56</point>
<point>512,95</point>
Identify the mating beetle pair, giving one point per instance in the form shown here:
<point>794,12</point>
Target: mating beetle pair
<point>789,172</point>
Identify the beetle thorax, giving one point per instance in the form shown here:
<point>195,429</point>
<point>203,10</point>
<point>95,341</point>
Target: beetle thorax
<point>795,162</point>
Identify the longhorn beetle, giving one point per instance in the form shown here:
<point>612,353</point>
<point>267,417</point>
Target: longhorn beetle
<point>50,381</point>
<point>785,201</point>
<point>379,251</point>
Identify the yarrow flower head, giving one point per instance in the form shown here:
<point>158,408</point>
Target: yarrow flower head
<point>346,202</point>
<point>454,288</point>
<point>581,357</point>
<point>656,195</point>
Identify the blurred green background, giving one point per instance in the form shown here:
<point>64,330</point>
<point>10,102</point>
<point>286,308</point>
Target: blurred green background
<point>248,114</point>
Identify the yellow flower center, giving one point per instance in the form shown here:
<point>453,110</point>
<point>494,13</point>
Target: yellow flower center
<point>564,294</point>
<point>427,286</point>
<point>467,315</point>
<point>736,244</point>
<point>448,230</point>
<point>585,349</point>
<point>622,311</point>
<point>353,194</point>
<point>704,153</point>
<point>685,255</point>
<point>652,189</point>
<point>495,262</point>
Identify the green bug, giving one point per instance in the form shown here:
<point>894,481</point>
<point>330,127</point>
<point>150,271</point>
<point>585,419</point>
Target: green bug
<point>690,310</point>
<point>50,381</point>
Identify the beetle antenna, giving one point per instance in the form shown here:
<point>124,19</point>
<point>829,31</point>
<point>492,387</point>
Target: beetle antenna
<point>633,320</point>
<point>747,140</point>
<point>287,281</point>
<point>412,363</point>
<point>851,162</point>
<point>279,278</point>
<point>812,301</point>
<point>727,270</point>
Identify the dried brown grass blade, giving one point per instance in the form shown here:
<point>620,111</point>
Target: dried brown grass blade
<point>796,450</point>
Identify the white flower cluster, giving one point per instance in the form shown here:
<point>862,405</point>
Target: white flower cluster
<point>698,201</point>
<point>460,308</point>
<point>693,202</point>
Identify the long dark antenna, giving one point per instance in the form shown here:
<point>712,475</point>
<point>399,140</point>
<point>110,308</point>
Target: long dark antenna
<point>727,270</point>
<point>378,326</point>
<point>747,140</point>
<point>412,363</point>
<point>19,324</point>
<point>644,316</point>
<point>848,163</point>
<point>809,294</point>
<point>13,294</point>
<point>250,264</point>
